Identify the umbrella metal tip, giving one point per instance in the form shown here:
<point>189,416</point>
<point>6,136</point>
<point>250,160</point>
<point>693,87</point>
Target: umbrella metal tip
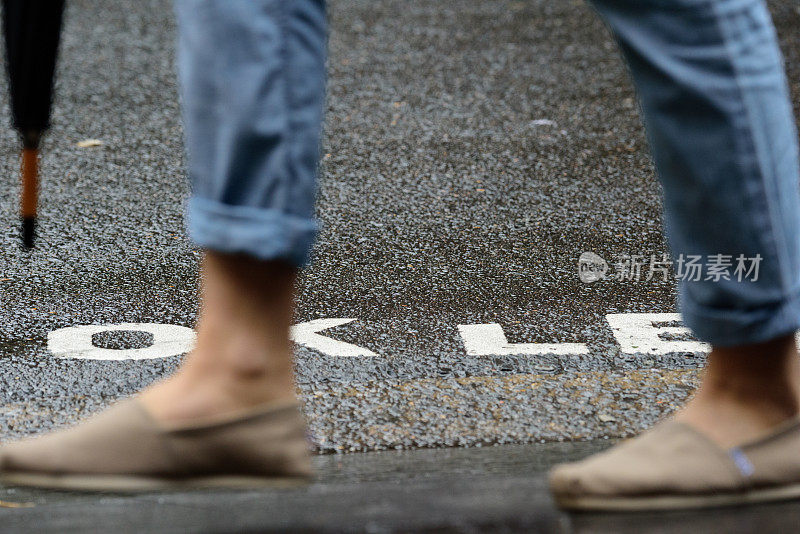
<point>28,230</point>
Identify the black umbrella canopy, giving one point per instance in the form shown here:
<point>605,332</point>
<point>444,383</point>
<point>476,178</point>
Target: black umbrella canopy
<point>32,32</point>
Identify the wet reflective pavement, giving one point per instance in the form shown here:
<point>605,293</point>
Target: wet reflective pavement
<point>473,151</point>
<point>490,489</point>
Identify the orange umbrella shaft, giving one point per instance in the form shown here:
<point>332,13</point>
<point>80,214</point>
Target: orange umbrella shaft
<point>30,182</point>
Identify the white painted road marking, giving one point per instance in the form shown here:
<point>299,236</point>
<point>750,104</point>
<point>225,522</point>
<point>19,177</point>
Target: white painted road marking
<point>306,334</point>
<point>490,340</point>
<point>637,333</point>
<point>76,342</point>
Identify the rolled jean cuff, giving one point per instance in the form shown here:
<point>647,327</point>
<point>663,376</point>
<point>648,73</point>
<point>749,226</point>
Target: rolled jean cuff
<point>725,328</point>
<point>266,234</point>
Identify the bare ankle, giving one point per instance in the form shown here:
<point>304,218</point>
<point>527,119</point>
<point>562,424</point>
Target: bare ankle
<point>779,396</point>
<point>187,395</point>
<point>241,371</point>
<point>767,373</point>
<point>746,391</point>
<point>243,355</point>
<point>245,320</point>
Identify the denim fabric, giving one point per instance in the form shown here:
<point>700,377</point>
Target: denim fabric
<point>711,83</point>
<point>252,86</point>
<point>713,91</point>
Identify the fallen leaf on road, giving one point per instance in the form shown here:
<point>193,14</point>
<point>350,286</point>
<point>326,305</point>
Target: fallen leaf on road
<point>89,143</point>
<point>6,504</point>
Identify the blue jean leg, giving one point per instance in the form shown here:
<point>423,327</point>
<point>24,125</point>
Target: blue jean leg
<point>252,78</point>
<point>716,107</point>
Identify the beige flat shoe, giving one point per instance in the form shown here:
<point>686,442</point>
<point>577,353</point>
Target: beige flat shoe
<point>674,467</point>
<point>125,449</point>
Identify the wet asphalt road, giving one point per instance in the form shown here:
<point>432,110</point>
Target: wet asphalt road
<point>492,490</point>
<point>473,151</point>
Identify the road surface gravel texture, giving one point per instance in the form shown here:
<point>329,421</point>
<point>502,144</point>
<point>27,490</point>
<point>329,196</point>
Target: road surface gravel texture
<point>472,151</point>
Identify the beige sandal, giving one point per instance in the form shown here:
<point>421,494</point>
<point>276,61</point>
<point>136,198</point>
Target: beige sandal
<point>124,449</point>
<point>674,466</point>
